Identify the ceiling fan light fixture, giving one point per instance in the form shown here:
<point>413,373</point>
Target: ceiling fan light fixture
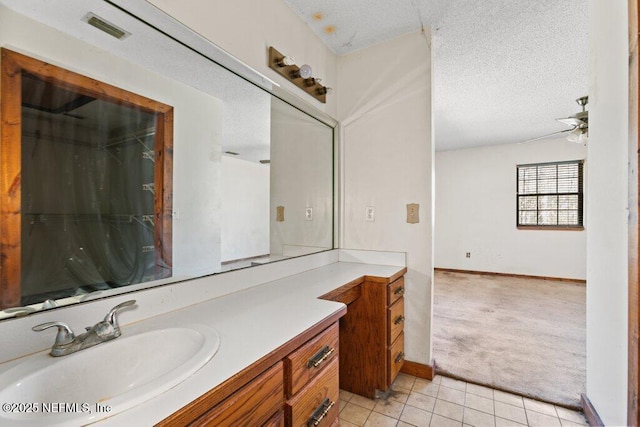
<point>582,139</point>
<point>578,135</point>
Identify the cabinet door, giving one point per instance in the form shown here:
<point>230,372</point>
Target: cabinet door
<point>252,405</point>
<point>276,421</point>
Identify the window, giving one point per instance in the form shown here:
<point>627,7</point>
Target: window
<point>550,195</point>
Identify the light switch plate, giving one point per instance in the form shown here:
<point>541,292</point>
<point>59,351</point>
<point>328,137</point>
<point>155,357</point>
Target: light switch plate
<point>413,213</point>
<point>280,214</point>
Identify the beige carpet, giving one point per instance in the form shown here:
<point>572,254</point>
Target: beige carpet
<point>515,334</point>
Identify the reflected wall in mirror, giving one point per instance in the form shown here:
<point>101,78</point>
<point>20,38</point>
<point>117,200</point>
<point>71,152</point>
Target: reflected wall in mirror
<point>294,171</point>
<point>301,182</point>
<point>238,153</point>
<point>86,184</point>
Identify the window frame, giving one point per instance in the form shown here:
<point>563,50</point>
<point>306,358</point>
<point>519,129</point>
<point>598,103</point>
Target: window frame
<point>579,193</point>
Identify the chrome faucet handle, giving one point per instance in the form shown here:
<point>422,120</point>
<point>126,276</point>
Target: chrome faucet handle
<point>65,334</point>
<point>112,317</point>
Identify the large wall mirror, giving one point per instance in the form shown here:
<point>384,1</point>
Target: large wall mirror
<point>136,162</point>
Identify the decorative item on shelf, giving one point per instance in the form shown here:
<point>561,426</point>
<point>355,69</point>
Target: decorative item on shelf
<point>300,76</point>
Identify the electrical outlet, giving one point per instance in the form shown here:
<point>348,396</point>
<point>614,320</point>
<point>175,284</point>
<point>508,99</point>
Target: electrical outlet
<point>175,214</point>
<point>280,214</point>
<point>370,213</point>
<point>413,210</point>
<point>308,214</point>
<point>468,255</point>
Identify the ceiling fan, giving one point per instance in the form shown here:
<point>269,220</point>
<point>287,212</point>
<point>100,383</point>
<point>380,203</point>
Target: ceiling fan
<point>578,122</point>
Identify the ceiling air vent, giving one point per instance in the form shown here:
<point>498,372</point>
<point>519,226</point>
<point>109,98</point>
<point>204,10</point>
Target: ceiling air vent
<point>105,26</point>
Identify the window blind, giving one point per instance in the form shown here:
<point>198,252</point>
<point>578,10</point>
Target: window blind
<point>550,194</point>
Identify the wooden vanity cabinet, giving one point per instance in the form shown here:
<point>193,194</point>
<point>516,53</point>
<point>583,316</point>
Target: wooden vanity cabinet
<point>301,386</point>
<point>359,348</point>
<point>372,337</point>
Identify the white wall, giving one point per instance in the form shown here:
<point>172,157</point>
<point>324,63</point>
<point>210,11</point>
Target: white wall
<point>607,210</point>
<point>476,212</point>
<point>244,220</point>
<point>385,116</point>
<point>246,29</point>
<point>197,123</point>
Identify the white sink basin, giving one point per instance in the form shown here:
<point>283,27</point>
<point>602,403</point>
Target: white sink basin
<point>122,373</point>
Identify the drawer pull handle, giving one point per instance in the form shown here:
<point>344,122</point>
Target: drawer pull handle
<point>399,291</point>
<point>400,357</point>
<point>320,412</point>
<point>398,320</point>
<point>320,357</point>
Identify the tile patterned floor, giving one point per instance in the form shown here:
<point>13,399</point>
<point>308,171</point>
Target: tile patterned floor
<point>447,402</point>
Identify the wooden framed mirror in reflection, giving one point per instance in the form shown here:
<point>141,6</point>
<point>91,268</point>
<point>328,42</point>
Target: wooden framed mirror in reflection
<point>86,187</point>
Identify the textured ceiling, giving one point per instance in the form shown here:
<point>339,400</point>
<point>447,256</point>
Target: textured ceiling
<point>504,70</point>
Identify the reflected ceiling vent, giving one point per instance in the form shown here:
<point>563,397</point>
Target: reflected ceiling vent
<point>105,26</point>
<point>265,162</point>
<point>232,153</point>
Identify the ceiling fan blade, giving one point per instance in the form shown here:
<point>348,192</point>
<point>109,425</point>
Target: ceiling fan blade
<point>572,121</point>
<point>546,136</point>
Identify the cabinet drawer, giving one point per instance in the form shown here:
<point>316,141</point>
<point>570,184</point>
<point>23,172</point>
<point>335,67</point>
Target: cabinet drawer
<point>396,290</point>
<point>305,363</point>
<point>318,397</point>
<point>395,320</point>
<point>252,405</point>
<point>396,358</point>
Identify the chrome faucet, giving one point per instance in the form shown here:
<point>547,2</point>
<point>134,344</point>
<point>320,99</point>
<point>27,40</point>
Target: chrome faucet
<point>66,341</point>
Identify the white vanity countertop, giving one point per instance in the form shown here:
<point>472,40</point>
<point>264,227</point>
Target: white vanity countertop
<point>251,323</point>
